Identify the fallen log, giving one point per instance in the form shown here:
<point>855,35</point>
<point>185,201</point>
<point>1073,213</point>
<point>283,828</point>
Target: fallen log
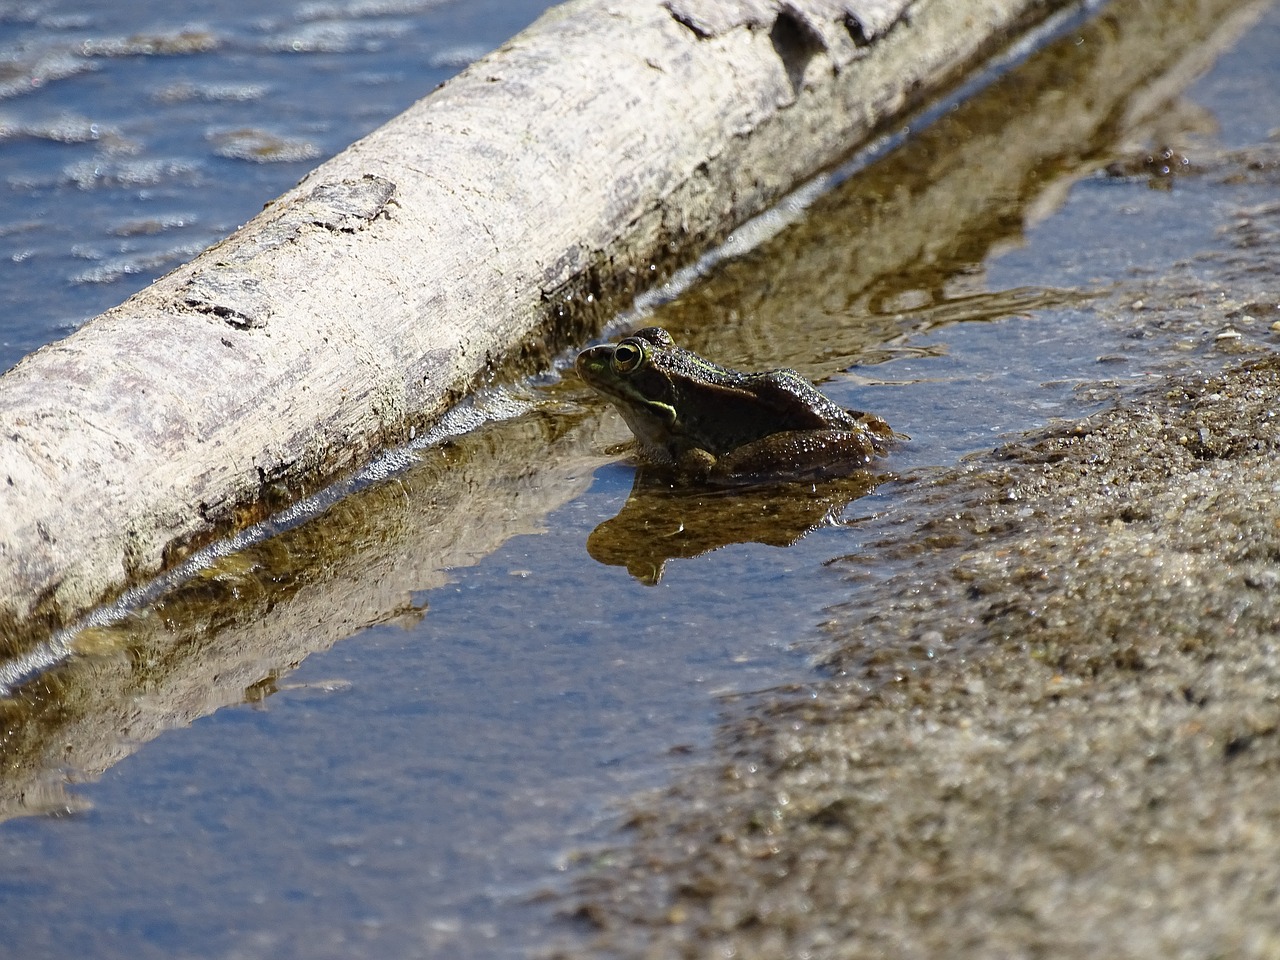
<point>497,220</point>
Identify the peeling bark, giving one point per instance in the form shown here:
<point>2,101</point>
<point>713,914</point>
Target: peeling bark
<point>841,29</point>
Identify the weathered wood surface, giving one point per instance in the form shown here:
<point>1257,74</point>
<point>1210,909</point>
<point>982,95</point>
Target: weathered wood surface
<point>501,216</point>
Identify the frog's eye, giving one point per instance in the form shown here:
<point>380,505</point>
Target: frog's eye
<point>626,357</point>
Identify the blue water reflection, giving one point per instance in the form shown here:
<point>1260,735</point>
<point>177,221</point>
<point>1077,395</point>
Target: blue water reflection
<point>132,136</point>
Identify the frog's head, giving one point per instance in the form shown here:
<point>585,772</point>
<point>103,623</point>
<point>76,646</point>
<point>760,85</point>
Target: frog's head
<point>638,376</point>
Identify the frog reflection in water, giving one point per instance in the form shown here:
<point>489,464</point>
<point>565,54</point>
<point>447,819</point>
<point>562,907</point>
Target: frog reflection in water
<point>707,422</point>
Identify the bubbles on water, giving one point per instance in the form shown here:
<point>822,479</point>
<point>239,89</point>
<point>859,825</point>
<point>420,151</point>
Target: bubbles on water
<point>352,9</point>
<point>111,269</point>
<point>456,57</point>
<point>27,69</point>
<point>67,128</point>
<point>66,21</point>
<point>261,146</point>
<point>166,43</point>
<point>184,91</point>
<point>113,172</point>
<point>337,36</point>
<point>149,226</point>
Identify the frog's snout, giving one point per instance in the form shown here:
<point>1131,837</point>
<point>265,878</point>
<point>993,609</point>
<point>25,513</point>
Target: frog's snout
<point>590,363</point>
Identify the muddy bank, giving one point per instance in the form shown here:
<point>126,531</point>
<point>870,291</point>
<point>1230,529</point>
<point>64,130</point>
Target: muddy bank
<point>1054,730</point>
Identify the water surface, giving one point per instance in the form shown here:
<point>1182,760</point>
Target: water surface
<point>132,136</point>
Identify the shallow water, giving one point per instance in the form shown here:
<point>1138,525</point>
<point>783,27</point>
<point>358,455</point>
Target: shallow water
<point>438,732</point>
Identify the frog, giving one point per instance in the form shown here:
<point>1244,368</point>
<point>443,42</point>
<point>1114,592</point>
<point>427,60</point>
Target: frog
<point>702,421</point>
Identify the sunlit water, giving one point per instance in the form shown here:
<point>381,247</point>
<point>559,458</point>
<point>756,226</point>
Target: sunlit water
<point>415,789</point>
<point>134,135</point>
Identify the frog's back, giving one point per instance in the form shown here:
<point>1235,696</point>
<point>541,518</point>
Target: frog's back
<point>803,405</point>
<point>748,407</point>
